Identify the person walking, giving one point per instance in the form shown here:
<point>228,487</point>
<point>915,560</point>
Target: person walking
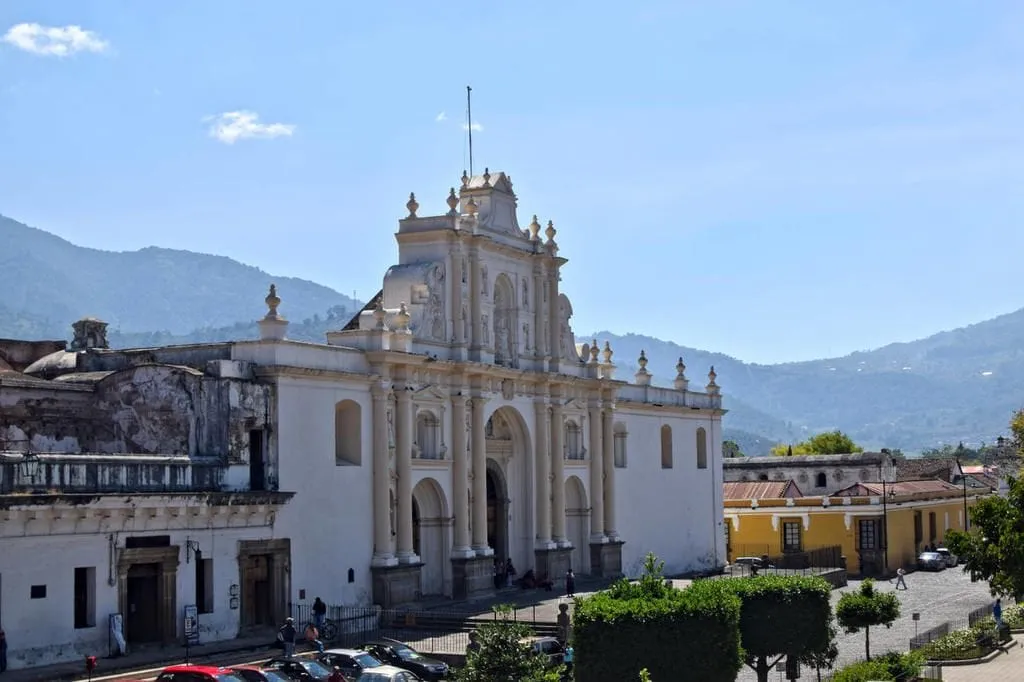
<point>567,658</point>
<point>286,635</point>
<point>474,643</point>
<point>901,578</point>
<point>570,584</point>
<point>319,613</point>
<point>313,637</point>
<point>997,613</point>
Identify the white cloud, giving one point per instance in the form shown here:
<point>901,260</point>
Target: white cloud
<point>54,41</point>
<point>477,127</point>
<point>232,126</point>
<point>441,117</point>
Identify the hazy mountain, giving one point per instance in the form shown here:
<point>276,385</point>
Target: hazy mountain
<point>49,282</point>
<point>953,386</point>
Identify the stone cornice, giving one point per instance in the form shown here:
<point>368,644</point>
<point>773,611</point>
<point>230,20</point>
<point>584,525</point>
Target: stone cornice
<point>96,501</point>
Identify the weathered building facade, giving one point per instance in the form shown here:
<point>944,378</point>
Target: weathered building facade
<point>133,484</point>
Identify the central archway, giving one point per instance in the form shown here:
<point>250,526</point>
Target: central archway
<point>430,536</point>
<point>577,524</point>
<point>510,489</point>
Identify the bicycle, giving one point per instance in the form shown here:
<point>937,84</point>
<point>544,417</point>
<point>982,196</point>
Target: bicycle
<point>329,631</point>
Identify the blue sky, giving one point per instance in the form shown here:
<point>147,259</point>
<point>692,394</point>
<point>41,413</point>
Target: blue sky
<point>773,180</point>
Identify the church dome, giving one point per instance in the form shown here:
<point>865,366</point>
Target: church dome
<point>54,364</point>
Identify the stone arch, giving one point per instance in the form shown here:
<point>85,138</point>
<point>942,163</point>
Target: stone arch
<point>510,483</point>
<point>504,321</point>
<point>702,448</point>
<point>348,430</point>
<point>666,446</point>
<point>577,523</point>
<point>431,521</point>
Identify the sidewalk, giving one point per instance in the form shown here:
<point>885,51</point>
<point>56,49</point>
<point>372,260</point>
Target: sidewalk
<point>1008,667</point>
<point>122,665</point>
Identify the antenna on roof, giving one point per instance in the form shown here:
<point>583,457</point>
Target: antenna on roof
<point>469,125</point>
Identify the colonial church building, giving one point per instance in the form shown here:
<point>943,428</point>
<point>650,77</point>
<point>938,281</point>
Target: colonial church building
<point>453,422</point>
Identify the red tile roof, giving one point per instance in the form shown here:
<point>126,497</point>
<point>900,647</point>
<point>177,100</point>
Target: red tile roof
<point>899,488</point>
<point>760,490</point>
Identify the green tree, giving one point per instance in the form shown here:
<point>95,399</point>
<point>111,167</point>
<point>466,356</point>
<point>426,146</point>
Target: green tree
<point>865,609</point>
<point>731,448</point>
<point>783,616</point>
<point>502,656</point>
<point>829,443</point>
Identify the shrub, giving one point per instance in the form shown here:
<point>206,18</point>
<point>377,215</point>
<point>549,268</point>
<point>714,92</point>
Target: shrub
<point>891,666</point>
<point>1014,616</point>
<point>502,656</point>
<point>962,645</point>
<point>649,624</point>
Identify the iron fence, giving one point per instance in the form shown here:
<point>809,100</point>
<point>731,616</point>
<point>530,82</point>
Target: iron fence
<point>435,631</point>
<point>972,618</point>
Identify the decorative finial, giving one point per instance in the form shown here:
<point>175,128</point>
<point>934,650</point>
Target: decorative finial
<point>607,353</point>
<point>471,207</point>
<point>465,180</point>
<point>712,387</point>
<point>453,202</point>
<point>681,383</point>
<point>594,350</point>
<point>378,316</point>
<point>487,177</point>
<point>535,230</point>
<point>402,318</point>
<point>643,377</point>
<point>412,205</point>
<point>272,302</point>
<point>550,232</point>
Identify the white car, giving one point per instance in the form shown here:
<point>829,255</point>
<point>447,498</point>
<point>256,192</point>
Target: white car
<point>952,560</point>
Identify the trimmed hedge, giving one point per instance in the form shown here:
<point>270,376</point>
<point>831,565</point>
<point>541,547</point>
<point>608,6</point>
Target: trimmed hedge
<point>629,627</point>
<point>891,666</point>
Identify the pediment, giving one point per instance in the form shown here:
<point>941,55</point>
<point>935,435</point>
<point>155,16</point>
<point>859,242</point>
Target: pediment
<point>429,394</point>
<point>575,404</point>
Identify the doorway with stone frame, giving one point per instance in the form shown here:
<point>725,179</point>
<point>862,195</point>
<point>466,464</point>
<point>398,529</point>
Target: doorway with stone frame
<point>147,580</point>
<point>264,568</point>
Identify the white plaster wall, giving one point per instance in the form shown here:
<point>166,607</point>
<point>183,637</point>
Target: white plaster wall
<point>675,513</point>
<point>330,519</point>
<point>42,632</point>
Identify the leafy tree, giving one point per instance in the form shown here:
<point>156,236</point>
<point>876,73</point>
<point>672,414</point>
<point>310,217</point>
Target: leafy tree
<point>865,609</point>
<point>731,448</point>
<point>783,616</point>
<point>502,656</point>
<point>829,443</point>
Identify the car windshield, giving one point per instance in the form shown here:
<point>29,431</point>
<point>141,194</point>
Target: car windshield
<point>942,551</point>
<point>230,677</point>
<point>366,661</point>
<point>315,669</point>
<point>274,676</point>
<point>375,677</point>
<point>930,555</point>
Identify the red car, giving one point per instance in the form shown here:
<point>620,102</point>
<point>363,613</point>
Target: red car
<point>198,673</point>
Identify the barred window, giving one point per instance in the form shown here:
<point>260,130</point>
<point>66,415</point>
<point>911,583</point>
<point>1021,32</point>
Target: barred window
<point>868,531</point>
<point>791,536</point>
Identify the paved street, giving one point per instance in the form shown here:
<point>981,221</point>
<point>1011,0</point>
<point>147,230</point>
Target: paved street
<point>1008,667</point>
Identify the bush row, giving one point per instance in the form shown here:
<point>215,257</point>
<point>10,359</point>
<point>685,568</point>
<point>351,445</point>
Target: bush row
<point>890,666</point>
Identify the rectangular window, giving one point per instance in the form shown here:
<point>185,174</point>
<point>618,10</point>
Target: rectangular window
<point>932,530</point>
<point>868,535</point>
<point>85,597</point>
<point>918,529</point>
<point>620,450</point>
<point>37,592</point>
<point>204,584</point>
<point>791,536</point>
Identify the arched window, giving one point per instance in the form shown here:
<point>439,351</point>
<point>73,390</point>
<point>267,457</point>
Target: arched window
<point>702,448</point>
<point>620,445</point>
<point>348,440</point>
<point>821,480</point>
<point>573,441</point>
<point>762,477</point>
<point>427,435</point>
<point>666,447</point>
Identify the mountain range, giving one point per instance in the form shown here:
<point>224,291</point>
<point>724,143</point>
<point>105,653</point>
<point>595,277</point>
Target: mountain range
<point>959,385</point>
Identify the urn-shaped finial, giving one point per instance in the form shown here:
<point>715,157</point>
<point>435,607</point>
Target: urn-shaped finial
<point>412,205</point>
<point>453,202</point>
<point>487,177</point>
<point>471,207</point>
<point>550,232</point>
<point>273,301</point>
<point>534,229</point>
<point>681,383</point>
<point>680,367</point>
<point>379,315</point>
<point>402,318</point>
<point>608,353</point>
<point>712,387</point>
<point>465,179</point>
<point>642,360</point>
<point>594,350</point>
<point>643,377</point>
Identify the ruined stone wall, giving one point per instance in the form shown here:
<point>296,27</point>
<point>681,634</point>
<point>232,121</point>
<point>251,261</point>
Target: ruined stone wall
<point>21,354</point>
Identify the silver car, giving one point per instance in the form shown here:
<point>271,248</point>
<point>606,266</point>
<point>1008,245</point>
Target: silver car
<point>952,560</point>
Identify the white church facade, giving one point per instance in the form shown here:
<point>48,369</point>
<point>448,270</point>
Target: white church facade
<point>454,421</point>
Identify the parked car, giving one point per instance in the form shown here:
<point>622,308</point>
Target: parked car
<point>253,674</point>
<point>197,673</point>
<point>389,673</point>
<point>931,561</point>
<point>549,647</point>
<point>300,669</point>
<point>353,662</point>
<point>952,560</point>
<point>403,656</point>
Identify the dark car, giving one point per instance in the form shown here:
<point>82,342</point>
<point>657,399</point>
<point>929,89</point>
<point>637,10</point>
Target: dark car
<point>300,669</point>
<point>352,662</point>
<point>404,656</point>
<point>931,561</point>
<point>251,674</point>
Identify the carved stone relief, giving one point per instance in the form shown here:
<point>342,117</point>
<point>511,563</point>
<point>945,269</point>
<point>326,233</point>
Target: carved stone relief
<point>483,279</point>
<point>526,295</point>
<point>486,328</point>
<point>526,337</point>
<point>435,304</point>
<point>508,389</point>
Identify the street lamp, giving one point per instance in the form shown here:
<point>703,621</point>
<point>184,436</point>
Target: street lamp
<point>963,479</point>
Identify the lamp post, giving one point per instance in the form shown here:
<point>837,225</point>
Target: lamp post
<point>963,479</point>
<point>885,527</point>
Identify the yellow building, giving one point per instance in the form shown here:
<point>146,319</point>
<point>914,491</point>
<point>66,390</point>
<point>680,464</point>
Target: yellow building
<point>773,518</point>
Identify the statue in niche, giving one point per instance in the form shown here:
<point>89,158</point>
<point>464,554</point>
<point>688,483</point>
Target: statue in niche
<point>483,279</point>
<point>464,270</point>
<point>502,345</point>
<point>435,308</point>
<point>526,337</point>
<point>526,295</point>
<point>486,329</point>
<point>391,429</point>
<point>469,429</point>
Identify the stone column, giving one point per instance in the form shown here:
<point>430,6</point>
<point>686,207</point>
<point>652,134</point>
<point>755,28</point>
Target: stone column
<point>555,328</point>
<point>382,555</point>
<point>558,473</point>
<point>403,466</point>
<point>542,458</point>
<point>609,472</point>
<point>460,478</point>
<point>540,342</point>
<point>475,312</point>
<point>596,475</point>
<point>479,449</point>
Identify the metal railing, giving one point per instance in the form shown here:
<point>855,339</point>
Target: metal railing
<point>931,634</point>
